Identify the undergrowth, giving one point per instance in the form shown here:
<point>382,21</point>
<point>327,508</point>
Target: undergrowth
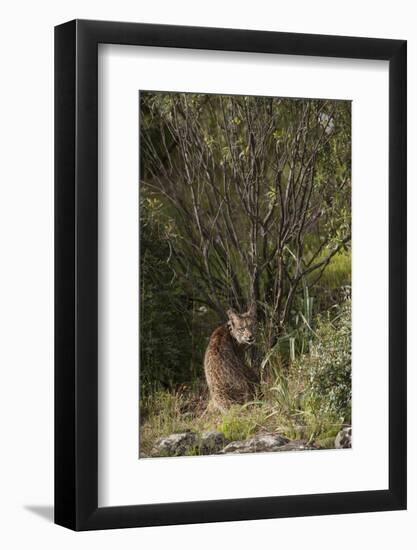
<point>304,396</point>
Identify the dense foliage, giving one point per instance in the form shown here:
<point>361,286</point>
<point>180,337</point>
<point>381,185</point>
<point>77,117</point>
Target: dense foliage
<point>327,368</point>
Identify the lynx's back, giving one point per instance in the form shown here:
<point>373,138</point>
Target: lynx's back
<point>229,380</point>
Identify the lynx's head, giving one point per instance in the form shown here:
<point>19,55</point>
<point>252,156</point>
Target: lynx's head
<point>243,326</point>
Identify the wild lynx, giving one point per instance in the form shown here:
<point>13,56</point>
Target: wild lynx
<point>229,379</point>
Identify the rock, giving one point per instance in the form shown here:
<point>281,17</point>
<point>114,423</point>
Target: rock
<point>214,442</point>
<point>260,443</point>
<point>178,444</point>
<point>211,442</point>
<point>175,444</point>
<point>298,445</point>
<point>344,438</point>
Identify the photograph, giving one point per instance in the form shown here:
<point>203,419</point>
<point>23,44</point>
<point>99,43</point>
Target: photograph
<point>245,274</point>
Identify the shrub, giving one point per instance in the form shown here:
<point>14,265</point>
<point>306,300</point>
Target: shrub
<point>326,369</point>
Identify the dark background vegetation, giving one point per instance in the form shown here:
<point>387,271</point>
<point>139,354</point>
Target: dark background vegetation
<point>246,199</point>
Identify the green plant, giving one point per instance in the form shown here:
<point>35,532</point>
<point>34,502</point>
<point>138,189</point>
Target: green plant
<point>238,423</point>
<point>326,369</point>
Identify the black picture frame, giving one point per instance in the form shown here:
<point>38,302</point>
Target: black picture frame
<point>76,271</point>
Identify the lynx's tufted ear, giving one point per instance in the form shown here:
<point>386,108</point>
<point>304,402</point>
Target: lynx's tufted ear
<point>232,315</point>
<point>252,310</point>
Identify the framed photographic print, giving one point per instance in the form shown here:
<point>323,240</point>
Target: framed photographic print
<point>230,248</point>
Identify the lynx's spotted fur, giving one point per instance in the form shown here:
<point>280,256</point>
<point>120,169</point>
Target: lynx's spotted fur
<point>229,380</point>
